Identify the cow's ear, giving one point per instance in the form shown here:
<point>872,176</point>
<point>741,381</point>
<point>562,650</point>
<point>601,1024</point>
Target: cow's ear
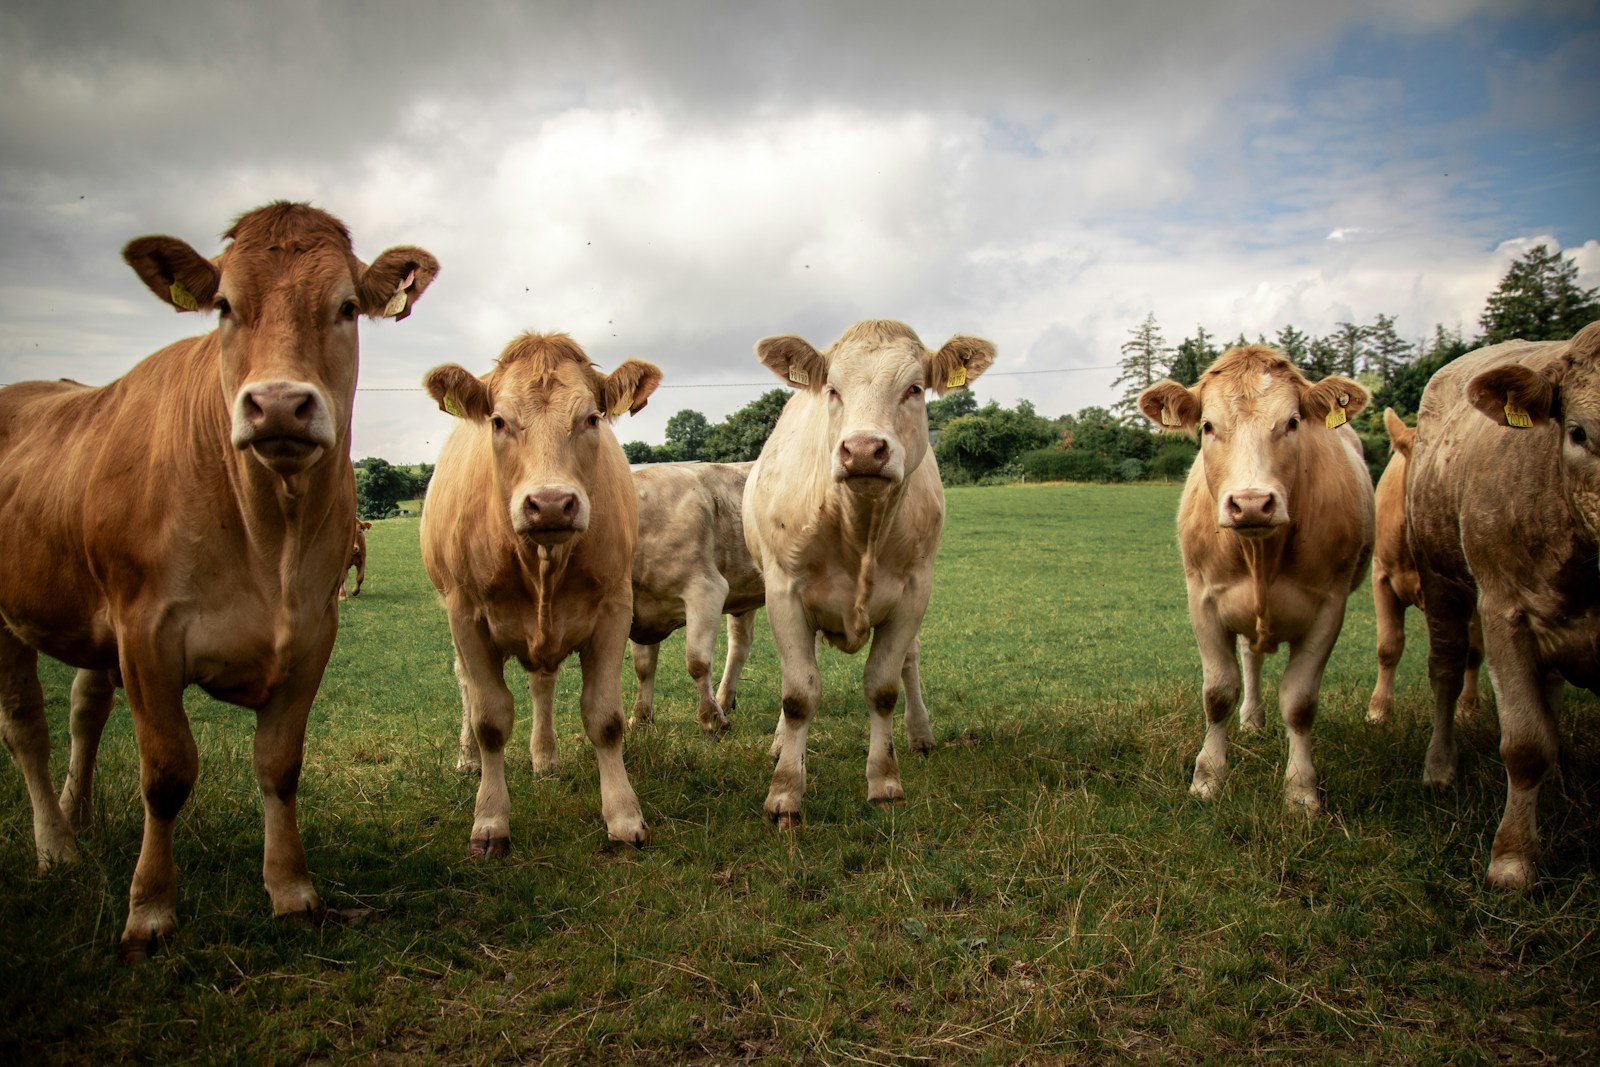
<point>460,392</point>
<point>794,361</point>
<point>1514,395</point>
<point>1332,394</point>
<point>395,281</point>
<point>175,272</point>
<point>1401,436</point>
<point>960,361</point>
<point>628,388</point>
<point>1170,405</point>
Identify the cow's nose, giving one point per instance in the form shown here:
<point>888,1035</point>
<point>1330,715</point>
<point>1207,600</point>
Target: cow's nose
<point>863,454</point>
<point>279,409</point>
<point>1251,508</point>
<point>550,509</point>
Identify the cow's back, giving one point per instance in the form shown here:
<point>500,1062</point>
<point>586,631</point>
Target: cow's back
<point>690,527</point>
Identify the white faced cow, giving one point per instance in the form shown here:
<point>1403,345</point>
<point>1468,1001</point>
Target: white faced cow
<point>1503,513</point>
<point>528,535</point>
<point>843,514</point>
<point>190,524</point>
<point>1276,527</point>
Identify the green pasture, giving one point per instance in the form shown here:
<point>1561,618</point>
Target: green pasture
<point>1048,891</point>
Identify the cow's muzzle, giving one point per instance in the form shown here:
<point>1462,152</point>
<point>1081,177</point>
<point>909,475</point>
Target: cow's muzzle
<point>864,462</point>
<point>286,424</point>
<point>1252,512</point>
<point>550,514</point>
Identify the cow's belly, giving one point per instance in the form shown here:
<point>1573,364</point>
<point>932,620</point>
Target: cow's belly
<point>655,617</point>
<point>830,600</point>
<point>238,656</point>
<point>1289,615</point>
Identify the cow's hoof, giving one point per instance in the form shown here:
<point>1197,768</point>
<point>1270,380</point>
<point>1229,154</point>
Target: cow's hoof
<point>62,852</point>
<point>629,832</point>
<point>296,902</point>
<point>640,716</point>
<point>1439,777</point>
<point>544,764</point>
<point>784,820</point>
<point>1205,788</point>
<point>886,793</point>
<point>729,702</point>
<point>1377,714</point>
<point>133,950</point>
<point>715,726</point>
<point>1307,804</point>
<point>1467,707</point>
<point>1254,722</point>
<point>922,746</point>
<point>1510,872</point>
<point>490,846</point>
<point>468,766</point>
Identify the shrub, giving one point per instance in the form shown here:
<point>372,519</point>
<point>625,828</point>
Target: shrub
<point>1130,470</point>
<point>1065,465</point>
<point>1172,460</point>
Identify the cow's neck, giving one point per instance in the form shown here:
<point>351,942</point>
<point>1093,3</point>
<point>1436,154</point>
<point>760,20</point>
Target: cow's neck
<point>1264,561</point>
<point>864,522</point>
<point>542,568</point>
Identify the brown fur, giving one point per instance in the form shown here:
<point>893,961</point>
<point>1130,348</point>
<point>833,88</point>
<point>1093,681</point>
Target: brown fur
<point>141,546</point>
<point>1507,520</point>
<point>358,560</point>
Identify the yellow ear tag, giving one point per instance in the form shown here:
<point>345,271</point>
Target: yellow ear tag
<point>1168,418</point>
<point>396,304</point>
<point>798,376</point>
<point>453,406</point>
<point>1517,416</point>
<point>958,377</point>
<point>620,408</point>
<point>1337,417</point>
<point>183,298</point>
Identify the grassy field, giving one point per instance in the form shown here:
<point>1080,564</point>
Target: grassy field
<point>1048,890</point>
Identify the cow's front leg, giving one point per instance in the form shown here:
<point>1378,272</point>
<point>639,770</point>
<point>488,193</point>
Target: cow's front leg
<point>542,736</point>
<point>918,730</point>
<point>602,721</point>
<point>481,669</point>
<point>741,628</point>
<point>1297,698</point>
<point>279,750</point>
<point>802,688</point>
<point>703,612</point>
<point>27,735</point>
<point>93,694</point>
<point>1391,618</point>
<point>169,763</point>
<point>880,681</point>
<point>1528,745</point>
<point>1220,672</point>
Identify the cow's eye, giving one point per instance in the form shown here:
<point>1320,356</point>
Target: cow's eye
<point>1206,427</point>
<point>833,394</point>
<point>1577,435</point>
<point>498,422</point>
<point>223,307</point>
<point>913,391</point>
<point>347,310</point>
<point>1294,422</point>
<point>593,421</point>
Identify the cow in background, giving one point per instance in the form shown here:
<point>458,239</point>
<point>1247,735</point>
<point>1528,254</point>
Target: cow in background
<point>528,535</point>
<point>189,523</point>
<point>1503,514</point>
<point>843,514</point>
<point>1396,584</point>
<point>358,560</point>
<point>1276,527</point>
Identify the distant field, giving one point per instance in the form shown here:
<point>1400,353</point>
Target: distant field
<point>1047,890</point>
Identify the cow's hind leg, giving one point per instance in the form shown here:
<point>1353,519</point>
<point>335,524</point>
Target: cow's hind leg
<point>542,737</point>
<point>27,735</point>
<point>1220,666</point>
<point>468,759</point>
<point>279,752</point>
<point>1467,703</point>
<point>645,659</point>
<point>1448,643</point>
<point>602,721</point>
<point>741,628</point>
<point>93,694</point>
<point>1528,746</point>
<point>1391,617</point>
<point>493,713</point>
<point>703,608</point>
<point>1252,710</point>
<point>918,730</point>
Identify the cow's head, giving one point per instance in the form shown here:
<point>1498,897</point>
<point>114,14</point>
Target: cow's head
<point>547,411</point>
<point>1253,408</point>
<point>288,289</point>
<point>875,379</point>
<point>1562,402</point>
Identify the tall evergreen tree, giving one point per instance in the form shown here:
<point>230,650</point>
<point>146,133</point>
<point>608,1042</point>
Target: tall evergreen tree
<point>1144,361</point>
<point>1192,356</point>
<point>1294,344</point>
<point>1386,352</point>
<point>1539,300</point>
<point>1349,347</point>
<point>1322,359</point>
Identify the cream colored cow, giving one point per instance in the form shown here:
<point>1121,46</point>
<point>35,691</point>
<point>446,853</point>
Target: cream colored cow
<point>843,514</point>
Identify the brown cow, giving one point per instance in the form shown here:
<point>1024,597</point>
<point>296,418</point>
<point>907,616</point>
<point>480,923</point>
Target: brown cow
<point>690,568</point>
<point>1276,527</point>
<point>1503,506</point>
<point>1395,583</point>
<point>358,560</point>
<point>843,514</point>
<point>189,524</point>
<point>528,535</point>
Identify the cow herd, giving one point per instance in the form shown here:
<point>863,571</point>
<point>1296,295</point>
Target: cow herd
<point>191,524</point>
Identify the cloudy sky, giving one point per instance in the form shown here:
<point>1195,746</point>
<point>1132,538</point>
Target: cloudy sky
<point>674,181</point>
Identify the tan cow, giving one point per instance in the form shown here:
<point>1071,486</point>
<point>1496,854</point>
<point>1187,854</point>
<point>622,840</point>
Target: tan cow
<point>358,560</point>
<point>690,568</point>
<point>528,535</point>
<point>1276,527</point>
<point>189,524</point>
<point>843,514</point>
<point>1395,583</point>
<point>1503,506</point>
